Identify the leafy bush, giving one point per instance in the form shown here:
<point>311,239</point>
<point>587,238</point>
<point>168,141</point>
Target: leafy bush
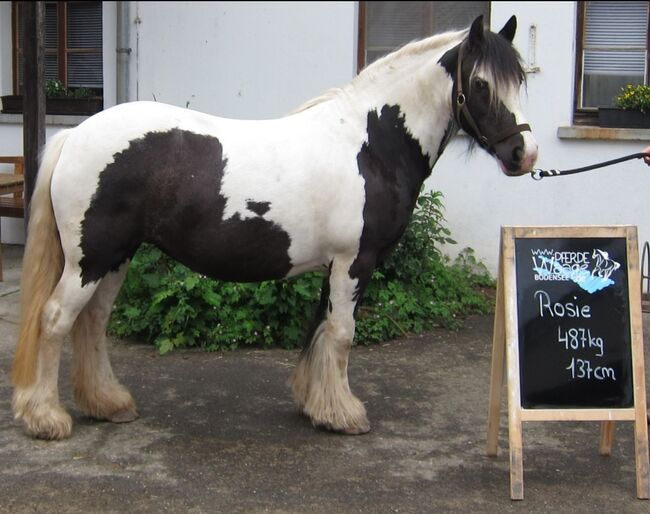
<point>414,290</point>
<point>634,98</point>
<point>417,287</point>
<point>56,89</point>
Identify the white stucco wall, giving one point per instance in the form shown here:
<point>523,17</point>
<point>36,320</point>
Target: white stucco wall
<point>241,59</point>
<point>479,198</point>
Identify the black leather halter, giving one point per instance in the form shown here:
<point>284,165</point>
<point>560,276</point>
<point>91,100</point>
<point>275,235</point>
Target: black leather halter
<point>461,109</point>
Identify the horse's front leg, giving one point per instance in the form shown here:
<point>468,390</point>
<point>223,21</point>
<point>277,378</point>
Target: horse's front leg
<point>320,380</point>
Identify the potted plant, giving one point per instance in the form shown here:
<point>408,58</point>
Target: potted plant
<point>59,100</point>
<point>632,108</point>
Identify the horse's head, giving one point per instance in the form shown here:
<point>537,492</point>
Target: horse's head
<point>487,76</point>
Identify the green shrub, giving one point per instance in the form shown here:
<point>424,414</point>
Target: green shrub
<point>634,98</point>
<point>56,89</point>
<point>416,289</point>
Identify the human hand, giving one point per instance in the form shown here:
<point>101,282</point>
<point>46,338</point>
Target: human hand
<point>646,159</point>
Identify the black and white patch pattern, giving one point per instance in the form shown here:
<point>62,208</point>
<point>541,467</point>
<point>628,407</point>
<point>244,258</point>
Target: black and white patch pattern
<point>141,197</point>
<point>394,167</point>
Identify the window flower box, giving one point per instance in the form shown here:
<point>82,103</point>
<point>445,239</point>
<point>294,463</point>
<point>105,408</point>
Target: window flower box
<point>632,108</point>
<point>623,118</point>
<point>13,104</point>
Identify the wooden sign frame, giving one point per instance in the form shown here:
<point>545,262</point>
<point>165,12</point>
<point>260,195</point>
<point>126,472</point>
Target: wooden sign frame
<point>506,348</point>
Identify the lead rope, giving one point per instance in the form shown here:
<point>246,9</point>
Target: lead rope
<point>538,174</point>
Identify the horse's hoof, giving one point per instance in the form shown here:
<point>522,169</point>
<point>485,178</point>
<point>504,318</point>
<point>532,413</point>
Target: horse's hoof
<point>359,429</point>
<point>52,427</point>
<point>115,405</point>
<point>123,416</point>
<point>353,430</point>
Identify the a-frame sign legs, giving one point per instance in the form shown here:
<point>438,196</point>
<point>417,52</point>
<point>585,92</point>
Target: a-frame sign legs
<point>640,411</point>
<point>497,370</point>
<point>501,326</point>
<point>606,437</point>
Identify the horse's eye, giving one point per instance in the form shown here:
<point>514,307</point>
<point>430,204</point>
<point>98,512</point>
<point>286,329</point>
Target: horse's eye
<point>480,84</point>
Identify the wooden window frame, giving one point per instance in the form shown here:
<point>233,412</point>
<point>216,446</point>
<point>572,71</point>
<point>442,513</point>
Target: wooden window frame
<point>590,116</point>
<point>61,51</point>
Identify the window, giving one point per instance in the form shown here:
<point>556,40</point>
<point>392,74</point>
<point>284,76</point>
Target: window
<point>73,45</point>
<point>612,42</point>
<point>385,26</point>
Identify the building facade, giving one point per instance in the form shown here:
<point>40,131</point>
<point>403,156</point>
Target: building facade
<point>258,60</point>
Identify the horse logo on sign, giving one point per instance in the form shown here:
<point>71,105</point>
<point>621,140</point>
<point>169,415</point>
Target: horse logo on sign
<point>591,273</point>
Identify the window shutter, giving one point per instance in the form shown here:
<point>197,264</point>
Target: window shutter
<point>390,25</point>
<point>84,44</point>
<point>614,50</point>
<point>84,25</point>
<point>51,28</point>
<point>615,38</point>
<point>51,41</point>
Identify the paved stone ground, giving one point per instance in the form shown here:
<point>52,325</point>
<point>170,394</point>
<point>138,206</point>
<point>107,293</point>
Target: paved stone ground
<point>218,432</point>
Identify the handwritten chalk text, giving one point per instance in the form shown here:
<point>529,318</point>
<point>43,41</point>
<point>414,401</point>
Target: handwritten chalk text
<point>560,309</point>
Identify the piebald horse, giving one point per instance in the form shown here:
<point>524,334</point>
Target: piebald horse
<point>330,187</point>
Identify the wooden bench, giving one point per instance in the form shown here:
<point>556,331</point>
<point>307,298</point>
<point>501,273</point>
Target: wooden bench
<point>12,204</point>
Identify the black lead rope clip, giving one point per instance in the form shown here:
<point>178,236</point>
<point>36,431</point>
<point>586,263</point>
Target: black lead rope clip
<point>538,174</point>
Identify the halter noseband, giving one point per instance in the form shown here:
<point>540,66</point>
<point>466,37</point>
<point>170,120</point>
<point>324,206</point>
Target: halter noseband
<point>461,108</point>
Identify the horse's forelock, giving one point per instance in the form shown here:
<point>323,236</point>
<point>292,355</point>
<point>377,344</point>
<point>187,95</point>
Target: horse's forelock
<point>500,63</point>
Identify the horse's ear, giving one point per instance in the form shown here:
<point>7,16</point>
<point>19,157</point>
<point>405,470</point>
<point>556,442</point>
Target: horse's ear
<point>509,29</point>
<point>476,32</point>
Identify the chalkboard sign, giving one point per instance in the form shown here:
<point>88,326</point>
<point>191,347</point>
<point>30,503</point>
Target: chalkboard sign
<point>568,337</point>
<point>573,322</point>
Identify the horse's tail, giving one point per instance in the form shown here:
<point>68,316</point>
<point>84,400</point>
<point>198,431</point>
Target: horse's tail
<point>42,266</point>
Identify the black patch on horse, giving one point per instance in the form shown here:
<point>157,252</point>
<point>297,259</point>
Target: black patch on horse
<point>394,167</point>
<point>165,189</point>
<point>259,208</point>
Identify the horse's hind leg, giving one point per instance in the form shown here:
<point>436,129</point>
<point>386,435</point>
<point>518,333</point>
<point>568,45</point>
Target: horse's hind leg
<point>320,380</point>
<point>37,403</point>
<point>96,390</point>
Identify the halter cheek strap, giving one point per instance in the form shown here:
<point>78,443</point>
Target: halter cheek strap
<point>461,109</point>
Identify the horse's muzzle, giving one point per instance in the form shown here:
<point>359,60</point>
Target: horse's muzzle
<point>518,159</point>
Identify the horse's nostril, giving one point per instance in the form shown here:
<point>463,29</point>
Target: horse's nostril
<point>518,154</point>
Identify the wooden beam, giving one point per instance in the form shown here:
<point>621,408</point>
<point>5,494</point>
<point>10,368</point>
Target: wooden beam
<point>33,92</point>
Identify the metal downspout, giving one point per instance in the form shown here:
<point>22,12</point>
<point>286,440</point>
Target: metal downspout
<point>123,52</point>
